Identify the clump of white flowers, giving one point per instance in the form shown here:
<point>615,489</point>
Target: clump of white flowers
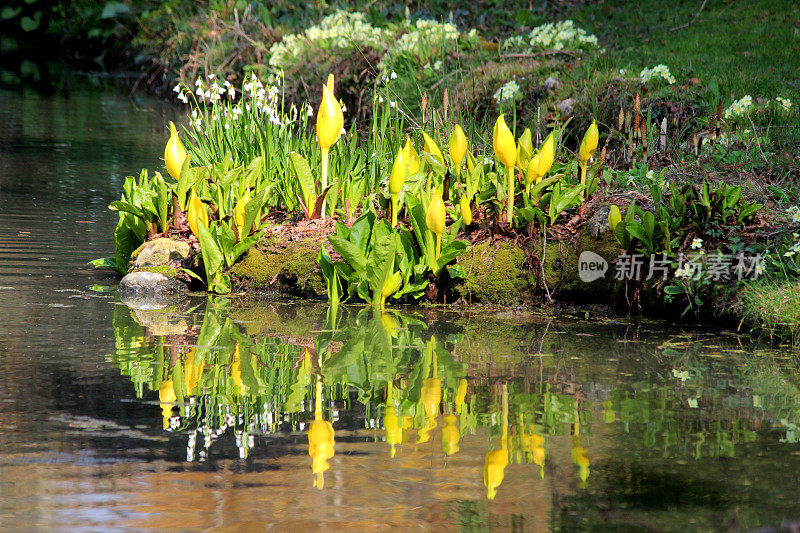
<point>508,92</point>
<point>794,213</point>
<point>339,31</point>
<point>558,36</point>
<point>423,39</point>
<point>739,108</point>
<point>784,103</point>
<point>658,71</point>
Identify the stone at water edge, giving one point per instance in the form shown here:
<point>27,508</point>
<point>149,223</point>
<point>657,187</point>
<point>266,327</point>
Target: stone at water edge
<point>150,283</point>
<point>159,252</point>
<point>565,106</point>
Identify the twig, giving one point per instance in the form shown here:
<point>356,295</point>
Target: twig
<point>691,21</point>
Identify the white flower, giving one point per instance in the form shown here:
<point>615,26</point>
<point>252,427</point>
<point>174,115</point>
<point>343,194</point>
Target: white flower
<point>177,88</point>
<point>739,108</point>
<point>785,103</point>
<point>393,75</point>
<point>659,71</point>
<point>182,97</point>
<point>212,76</point>
<point>380,99</point>
<point>344,108</point>
<point>198,82</point>
<point>697,243</point>
<point>392,104</point>
<point>508,92</point>
<point>692,403</point>
<point>794,212</point>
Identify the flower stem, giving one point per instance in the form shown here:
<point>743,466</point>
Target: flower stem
<point>438,245</point>
<point>394,210</point>
<point>583,180</point>
<point>324,181</point>
<point>510,196</point>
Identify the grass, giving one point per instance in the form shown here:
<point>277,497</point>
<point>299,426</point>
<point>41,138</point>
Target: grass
<point>773,308</point>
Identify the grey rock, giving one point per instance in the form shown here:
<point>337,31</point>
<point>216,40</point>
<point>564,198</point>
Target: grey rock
<point>150,283</point>
<point>159,252</point>
<point>565,106</point>
<point>598,224</point>
<point>551,83</point>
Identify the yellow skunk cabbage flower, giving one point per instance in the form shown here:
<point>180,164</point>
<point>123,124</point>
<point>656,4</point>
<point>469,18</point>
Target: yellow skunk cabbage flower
<point>450,435</point>
<point>238,214</point>
<point>466,210</point>
<point>432,148</point>
<point>412,158</point>
<point>461,395</point>
<point>589,144</point>
<point>166,396</point>
<point>174,153</point>
<point>236,373</point>
<point>330,122</point>
<point>435,218</point>
<point>396,181</point>
<point>506,151</point>
<point>614,217</point>
<point>197,213</point>
<point>524,149</point>
<point>547,154</point>
<point>458,147</point>
<point>390,286</point>
<point>503,142</point>
<point>320,440</point>
<point>532,172</point>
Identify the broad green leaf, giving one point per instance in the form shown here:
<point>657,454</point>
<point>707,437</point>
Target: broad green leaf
<point>211,253</point>
<point>303,173</point>
<point>351,253</point>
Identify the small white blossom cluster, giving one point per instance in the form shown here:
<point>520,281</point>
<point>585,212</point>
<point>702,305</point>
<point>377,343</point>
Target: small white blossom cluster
<point>558,36</point>
<point>739,108</point>
<point>784,103</point>
<point>508,92</point>
<point>682,375</point>
<point>423,38</point>
<point>794,248</point>
<point>257,101</point>
<point>341,30</point>
<point>794,213</point>
<point>658,71</point>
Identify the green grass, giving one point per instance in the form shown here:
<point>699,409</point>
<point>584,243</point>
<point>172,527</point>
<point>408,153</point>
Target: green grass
<point>744,47</point>
<point>773,308</point>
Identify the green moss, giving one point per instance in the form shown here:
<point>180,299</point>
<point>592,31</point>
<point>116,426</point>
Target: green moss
<point>561,266</point>
<point>291,270</point>
<point>167,270</point>
<point>495,274</point>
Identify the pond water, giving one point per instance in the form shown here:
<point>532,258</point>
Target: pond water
<point>236,413</point>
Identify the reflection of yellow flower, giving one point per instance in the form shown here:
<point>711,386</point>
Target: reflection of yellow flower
<point>320,440</point>
<point>450,435</point>
<point>461,394</point>
<point>236,373</point>
<point>394,433</point>
<point>167,398</point>
<point>192,373</point>
<point>496,461</point>
<point>581,458</point>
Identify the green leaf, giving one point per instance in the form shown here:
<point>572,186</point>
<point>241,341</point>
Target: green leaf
<point>252,209</point>
<point>9,12</point>
<point>351,253</point>
<point>126,207</point>
<point>29,24</point>
<point>381,265</point>
<point>211,253</point>
<point>361,230</point>
<point>304,176</point>
<point>106,262</point>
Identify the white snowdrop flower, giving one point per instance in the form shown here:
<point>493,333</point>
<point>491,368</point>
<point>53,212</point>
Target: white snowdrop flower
<point>177,88</point>
<point>310,111</point>
<point>392,104</point>
<point>199,92</point>
<point>194,113</point>
<point>393,75</point>
<point>198,82</point>
<point>380,99</point>
<point>344,108</point>
<point>182,97</point>
<point>212,76</point>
